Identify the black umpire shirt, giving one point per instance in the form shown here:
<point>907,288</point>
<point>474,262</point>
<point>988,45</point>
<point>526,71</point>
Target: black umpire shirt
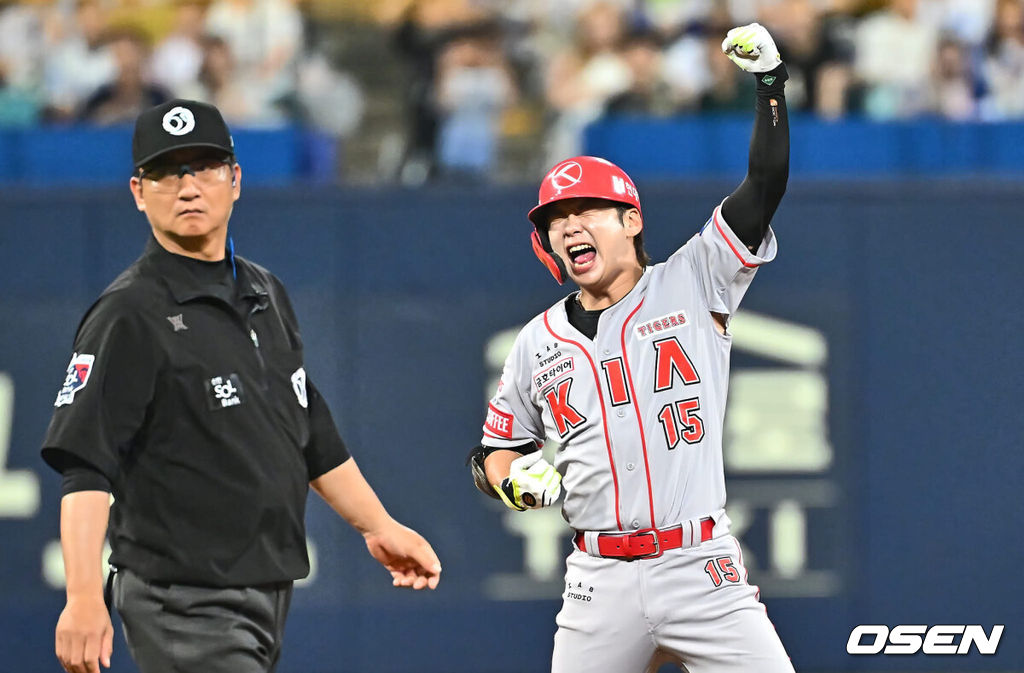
<point>187,392</point>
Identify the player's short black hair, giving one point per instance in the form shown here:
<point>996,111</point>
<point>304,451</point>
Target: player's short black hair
<point>638,240</point>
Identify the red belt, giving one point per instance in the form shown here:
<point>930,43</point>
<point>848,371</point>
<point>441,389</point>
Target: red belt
<point>647,543</point>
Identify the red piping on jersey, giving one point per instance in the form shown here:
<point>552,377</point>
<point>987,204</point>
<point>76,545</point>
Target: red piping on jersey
<point>636,410</point>
<point>732,247</point>
<point>604,421</point>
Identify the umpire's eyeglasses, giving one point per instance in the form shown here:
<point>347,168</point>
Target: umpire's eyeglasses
<point>166,178</point>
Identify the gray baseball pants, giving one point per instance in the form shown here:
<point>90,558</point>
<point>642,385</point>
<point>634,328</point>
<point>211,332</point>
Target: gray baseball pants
<point>177,628</point>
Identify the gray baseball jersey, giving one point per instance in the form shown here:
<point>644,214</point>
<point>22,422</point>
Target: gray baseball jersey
<point>639,411</point>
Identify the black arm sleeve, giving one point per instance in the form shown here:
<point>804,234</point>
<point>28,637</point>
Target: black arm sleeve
<point>750,208</point>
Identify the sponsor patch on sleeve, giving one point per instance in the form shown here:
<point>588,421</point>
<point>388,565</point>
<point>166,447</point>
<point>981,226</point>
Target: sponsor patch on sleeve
<point>77,376</point>
<point>499,423</point>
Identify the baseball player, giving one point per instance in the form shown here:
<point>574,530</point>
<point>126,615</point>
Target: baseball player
<point>630,375</point>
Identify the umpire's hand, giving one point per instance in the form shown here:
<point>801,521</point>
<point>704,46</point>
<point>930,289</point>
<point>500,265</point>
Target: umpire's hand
<point>408,557</point>
<point>85,636</point>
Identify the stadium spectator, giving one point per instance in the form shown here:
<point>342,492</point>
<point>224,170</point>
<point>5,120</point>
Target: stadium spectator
<point>421,30</point>
<point>178,57</point>
<point>952,85</point>
<point>815,45</point>
<point>21,46</point>
<point>648,93</point>
<point>265,38</point>
<point>130,92</point>
<point>474,87</point>
<point>731,89</point>
<point>218,83</point>
<point>894,57</point>
<point>78,59</point>
<point>583,77</point>
<point>1004,63</point>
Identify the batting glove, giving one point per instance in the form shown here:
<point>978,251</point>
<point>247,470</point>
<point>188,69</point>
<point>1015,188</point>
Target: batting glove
<point>532,483</point>
<point>752,48</point>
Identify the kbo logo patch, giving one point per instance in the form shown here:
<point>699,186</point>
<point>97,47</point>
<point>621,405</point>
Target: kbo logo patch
<point>78,375</point>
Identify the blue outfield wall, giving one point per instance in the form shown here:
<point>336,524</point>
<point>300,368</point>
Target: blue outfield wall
<point>712,147</point>
<point>86,155</point>
<point>893,309</point>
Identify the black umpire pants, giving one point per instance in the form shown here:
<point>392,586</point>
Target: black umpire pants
<point>177,628</point>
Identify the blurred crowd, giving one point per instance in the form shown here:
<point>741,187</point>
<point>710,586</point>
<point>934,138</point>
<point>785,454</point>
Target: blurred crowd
<point>481,71</point>
<point>961,60</point>
<point>103,62</point>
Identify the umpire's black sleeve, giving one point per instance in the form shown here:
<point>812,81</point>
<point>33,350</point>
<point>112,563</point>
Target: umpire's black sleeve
<point>326,449</point>
<point>106,391</point>
<point>750,208</point>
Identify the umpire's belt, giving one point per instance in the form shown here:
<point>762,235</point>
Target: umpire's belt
<point>646,543</point>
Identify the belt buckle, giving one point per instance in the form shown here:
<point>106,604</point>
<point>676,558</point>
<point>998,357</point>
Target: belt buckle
<point>653,532</point>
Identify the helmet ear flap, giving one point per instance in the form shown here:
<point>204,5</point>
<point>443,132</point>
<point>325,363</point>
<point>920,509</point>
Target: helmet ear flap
<point>553,263</point>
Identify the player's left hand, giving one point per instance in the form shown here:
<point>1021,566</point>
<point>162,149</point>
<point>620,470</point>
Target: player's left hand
<point>410,558</point>
<point>532,483</point>
<point>752,48</point>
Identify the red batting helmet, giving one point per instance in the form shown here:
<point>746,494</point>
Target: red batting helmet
<point>579,177</point>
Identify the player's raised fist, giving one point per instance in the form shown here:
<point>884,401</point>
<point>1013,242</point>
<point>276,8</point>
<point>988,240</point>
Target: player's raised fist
<point>532,483</point>
<point>752,48</point>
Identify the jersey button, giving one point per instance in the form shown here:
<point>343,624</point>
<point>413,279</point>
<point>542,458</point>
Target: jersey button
<point>630,466</point>
<point>620,413</point>
<point>607,352</point>
<point>635,523</point>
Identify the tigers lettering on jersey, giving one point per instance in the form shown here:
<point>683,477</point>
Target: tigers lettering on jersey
<point>564,414</point>
<point>665,323</point>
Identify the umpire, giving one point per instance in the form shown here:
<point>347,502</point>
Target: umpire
<point>187,399</point>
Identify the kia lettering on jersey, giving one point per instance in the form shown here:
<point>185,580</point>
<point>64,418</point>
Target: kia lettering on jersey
<point>672,367</point>
<point>565,416</point>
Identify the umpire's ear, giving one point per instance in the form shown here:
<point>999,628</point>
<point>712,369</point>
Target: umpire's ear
<point>236,180</point>
<point>136,186</point>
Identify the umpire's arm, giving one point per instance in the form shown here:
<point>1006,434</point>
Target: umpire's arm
<point>84,631</point>
<point>407,556</point>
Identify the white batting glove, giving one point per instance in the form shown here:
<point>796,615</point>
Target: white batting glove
<point>532,483</point>
<point>752,48</point>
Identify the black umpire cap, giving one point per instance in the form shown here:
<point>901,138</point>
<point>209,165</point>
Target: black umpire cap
<point>178,124</point>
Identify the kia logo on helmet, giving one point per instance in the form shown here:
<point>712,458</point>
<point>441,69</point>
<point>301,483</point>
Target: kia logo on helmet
<point>567,175</point>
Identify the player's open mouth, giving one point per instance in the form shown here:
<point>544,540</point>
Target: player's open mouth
<point>581,255</point>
